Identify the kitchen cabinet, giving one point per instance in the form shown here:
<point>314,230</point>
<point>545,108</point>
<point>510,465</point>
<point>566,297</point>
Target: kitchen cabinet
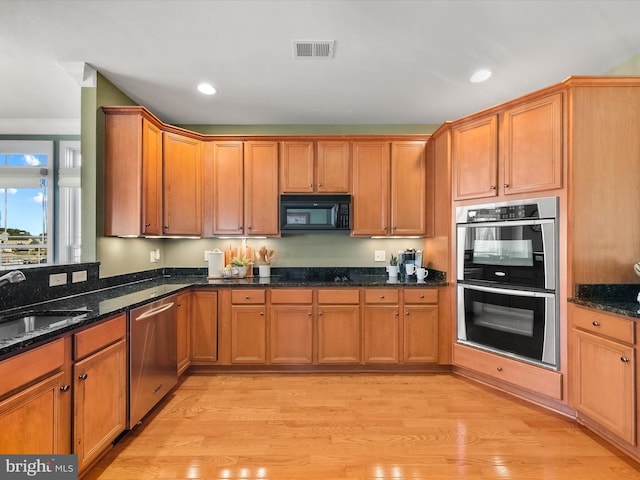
<point>183,331</point>
<point>99,388</point>
<point>389,188</point>
<point>203,327</point>
<point>241,188</point>
<point>420,326</point>
<point>248,326</point>
<point>381,325</point>
<point>315,167</point>
<point>529,159</point>
<point>338,336</point>
<point>182,185</point>
<point>152,178</point>
<point>291,326</point>
<point>35,401</point>
<point>604,376</point>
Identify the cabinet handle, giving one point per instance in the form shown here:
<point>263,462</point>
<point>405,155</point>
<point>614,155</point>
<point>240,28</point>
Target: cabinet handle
<point>247,297</point>
<point>422,295</point>
<point>406,313</point>
<point>65,388</point>
<point>147,224</point>
<point>506,185</point>
<point>595,323</point>
<point>83,376</point>
<point>397,314</point>
<point>624,359</point>
<point>499,369</point>
<point>381,296</point>
<point>311,185</point>
<point>262,314</point>
<point>320,314</point>
<point>249,227</point>
<point>493,187</point>
<point>309,314</point>
<point>385,228</point>
<point>319,184</point>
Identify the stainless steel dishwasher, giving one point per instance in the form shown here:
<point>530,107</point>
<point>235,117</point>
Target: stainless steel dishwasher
<point>153,366</point>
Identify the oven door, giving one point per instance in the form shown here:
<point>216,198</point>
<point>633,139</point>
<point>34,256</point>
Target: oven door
<point>521,324</point>
<point>518,253</point>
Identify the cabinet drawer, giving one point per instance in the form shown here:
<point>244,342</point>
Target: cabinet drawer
<point>537,379</point>
<point>303,296</point>
<point>381,295</point>
<point>603,324</point>
<point>420,295</point>
<point>338,296</point>
<point>95,338</point>
<point>247,296</point>
<point>29,366</point>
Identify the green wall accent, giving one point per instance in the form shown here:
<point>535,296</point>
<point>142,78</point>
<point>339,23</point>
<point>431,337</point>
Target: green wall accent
<point>313,129</point>
<point>630,66</point>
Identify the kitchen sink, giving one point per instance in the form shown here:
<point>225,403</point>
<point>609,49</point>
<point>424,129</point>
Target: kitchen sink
<point>24,322</point>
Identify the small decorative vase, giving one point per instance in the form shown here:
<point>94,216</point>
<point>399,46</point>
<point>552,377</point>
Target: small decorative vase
<point>264,271</point>
<point>242,271</point>
<point>392,270</point>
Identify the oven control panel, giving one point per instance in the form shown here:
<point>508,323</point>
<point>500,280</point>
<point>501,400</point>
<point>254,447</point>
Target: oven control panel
<point>509,212</point>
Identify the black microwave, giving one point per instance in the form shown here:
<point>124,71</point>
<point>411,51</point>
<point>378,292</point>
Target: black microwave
<point>315,213</point>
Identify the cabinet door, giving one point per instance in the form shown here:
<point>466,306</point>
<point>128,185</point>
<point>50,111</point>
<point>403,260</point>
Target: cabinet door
<point>151,178</point>
<point>183,331</point>
<point>333,167</point>
<point>31,419</point>
<point>420,334</point>
<point>408,188</point>
<point>381,334</point>
<point>296,168</point>
<point>371,188</point>
<point>248,334</point>
<point>100,401</point>
<point>338,334</point>
<point>532,153</point>
<point>227,173</point>
<point>204,327</point>
<point>261,197</point>
<point>475,159</point>
<point>291,334</point>
<point>182,185</point>
<point>604,383</point>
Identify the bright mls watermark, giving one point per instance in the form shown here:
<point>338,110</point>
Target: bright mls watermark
<point>51,467</point>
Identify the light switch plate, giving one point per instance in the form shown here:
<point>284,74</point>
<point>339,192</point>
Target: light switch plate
<point>379,256</point>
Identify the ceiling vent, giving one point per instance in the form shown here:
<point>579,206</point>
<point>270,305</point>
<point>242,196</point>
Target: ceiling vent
<point>313,49</point>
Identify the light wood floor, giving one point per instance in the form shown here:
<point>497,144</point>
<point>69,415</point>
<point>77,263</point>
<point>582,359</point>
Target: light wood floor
<point>361,426</point>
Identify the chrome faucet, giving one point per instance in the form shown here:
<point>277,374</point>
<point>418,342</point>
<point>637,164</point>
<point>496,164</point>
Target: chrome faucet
<point>12,277</point>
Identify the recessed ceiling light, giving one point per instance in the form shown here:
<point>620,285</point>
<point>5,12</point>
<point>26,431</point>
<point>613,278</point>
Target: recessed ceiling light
<point>480,76</point>
<point>206,88</point>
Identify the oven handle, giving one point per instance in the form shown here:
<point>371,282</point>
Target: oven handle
<point>507,291</point>
<point>508,223</point>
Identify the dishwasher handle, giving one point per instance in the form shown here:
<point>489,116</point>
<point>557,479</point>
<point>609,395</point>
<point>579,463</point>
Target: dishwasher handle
<point>155,311</point>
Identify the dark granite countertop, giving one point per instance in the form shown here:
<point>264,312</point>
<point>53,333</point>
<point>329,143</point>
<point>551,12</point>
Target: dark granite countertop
<point>620,299</point>
<point>107,302</point>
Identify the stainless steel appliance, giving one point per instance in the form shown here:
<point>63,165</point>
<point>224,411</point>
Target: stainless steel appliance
<point>507,266</point>
<point>315,213</point>
<point>153,366</point>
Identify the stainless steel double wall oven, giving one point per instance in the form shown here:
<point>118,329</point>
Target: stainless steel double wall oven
<point>507,273</point>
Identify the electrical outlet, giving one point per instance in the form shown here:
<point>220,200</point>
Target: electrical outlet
<point>152,256</point>
<point>56,279</point>
<point>157,254</point>
<point>80,276</point>
<point>379,256</point>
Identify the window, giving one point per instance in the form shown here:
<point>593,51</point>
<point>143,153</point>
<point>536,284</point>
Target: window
<point>28,193</point>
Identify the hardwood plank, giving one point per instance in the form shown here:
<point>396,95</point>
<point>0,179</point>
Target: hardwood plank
<point>364,426</point>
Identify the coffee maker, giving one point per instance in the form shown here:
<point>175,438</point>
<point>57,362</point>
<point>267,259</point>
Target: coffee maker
<point>405,257</point>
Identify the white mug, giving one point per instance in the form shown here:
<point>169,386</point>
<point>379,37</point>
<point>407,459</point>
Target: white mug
<point>421,273</point>
<point>410,268</point>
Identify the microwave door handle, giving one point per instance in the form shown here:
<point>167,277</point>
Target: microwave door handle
<point>507,291</point>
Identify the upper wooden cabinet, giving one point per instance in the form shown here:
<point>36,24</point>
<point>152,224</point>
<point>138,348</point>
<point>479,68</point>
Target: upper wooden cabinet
<point>529,158</point>
<point>241,188</point>
<point>389,188</point>
<point>152,178</point>
<point>315,167</point>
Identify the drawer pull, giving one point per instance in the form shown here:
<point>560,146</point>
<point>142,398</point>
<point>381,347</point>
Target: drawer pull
<point>624,359</point>
<point>262,314</point>
<point>65,388</point>
<point>247,297</point>
<point>595,323</point>
<point>381,296</point>
<point>422,295</point>
<point>83,376</point>
<point>309,314</point>
<point>499,369</point>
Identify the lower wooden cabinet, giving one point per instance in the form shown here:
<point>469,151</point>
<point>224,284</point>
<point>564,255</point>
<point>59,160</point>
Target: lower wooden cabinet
<point>604,371</point>
<point>420,326</point>
<point>203,327</point>
<point>339,338</point>
<point>248,326</point>
<point>183,331</point>
<point>291,326</point>
<point>35,402</point>
<point>381,325</point>
<point>99,388</point>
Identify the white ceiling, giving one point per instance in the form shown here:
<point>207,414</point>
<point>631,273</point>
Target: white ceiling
<point>396,62</point>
